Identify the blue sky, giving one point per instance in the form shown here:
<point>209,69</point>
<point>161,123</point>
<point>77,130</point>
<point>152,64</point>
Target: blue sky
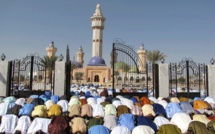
<point>178,28</point>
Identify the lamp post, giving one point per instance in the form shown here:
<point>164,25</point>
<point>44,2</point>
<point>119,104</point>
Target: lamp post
<point>162,60</point>
<point>212,61</point>
<point>60,58</point>
<point>3,57</point>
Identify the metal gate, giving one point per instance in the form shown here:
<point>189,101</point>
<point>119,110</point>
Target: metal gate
<point>187,79</point>
<point>130,75</point>
<point>29,76</point>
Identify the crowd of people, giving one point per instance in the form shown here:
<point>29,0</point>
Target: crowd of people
<point>94,110</point>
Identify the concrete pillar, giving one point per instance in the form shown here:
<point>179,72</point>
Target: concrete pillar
<point>163,80</point>
<point>59,78</point>
<point>4,72</point>
<point>211,80</point>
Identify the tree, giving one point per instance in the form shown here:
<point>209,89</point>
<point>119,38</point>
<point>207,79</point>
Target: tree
<point>49,64</point>
<point>181,80</point>
<point>154,56</point>
<point>122,66</point>
<point>73,66</point>
<point>79,75</point>
<point>116,73</point>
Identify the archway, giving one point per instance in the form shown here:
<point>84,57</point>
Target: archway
<point>131,79</point>
<point>137,80</point>
<point>96,78</point>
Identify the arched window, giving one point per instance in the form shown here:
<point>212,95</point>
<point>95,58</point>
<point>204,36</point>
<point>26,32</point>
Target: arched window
<point>143,79</point>
<point>131,79</point>
<point>96,78</point>
<point>40,77</point>
<point>137,80</point>
<point>119,78</point>
<point>149,78</point>
<point>125,78</point>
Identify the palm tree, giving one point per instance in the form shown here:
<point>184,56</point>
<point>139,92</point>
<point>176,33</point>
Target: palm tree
<point>116,73</point>
<point>79,75</point>
<point>49,64</point>
<point>123,66</point>
<point>73,66</point>
<point>154,56</point>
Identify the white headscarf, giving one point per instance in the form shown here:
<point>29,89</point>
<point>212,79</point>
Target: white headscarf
<point>120,130</point>
<point>182,120</point>
<point>143,129</point>
<point>160,120</point>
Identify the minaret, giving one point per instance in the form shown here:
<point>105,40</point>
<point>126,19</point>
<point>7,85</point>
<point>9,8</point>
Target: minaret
<point>97,26</point>
<point>142,59</point>
<point>80,56</point>
<point>51,50</point>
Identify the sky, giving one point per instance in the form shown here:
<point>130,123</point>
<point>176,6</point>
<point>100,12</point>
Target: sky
<point>178,28</point>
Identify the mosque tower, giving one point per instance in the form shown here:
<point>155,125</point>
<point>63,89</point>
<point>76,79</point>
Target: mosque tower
<point>80,56</point>
<point>51,50</point>
<point>142,62</point>
<point>97,26</point>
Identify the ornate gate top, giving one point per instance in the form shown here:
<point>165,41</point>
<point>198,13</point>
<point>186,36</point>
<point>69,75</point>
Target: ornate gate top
<point>129,50</point>
<point>183,63</point>
<point>27,60</point>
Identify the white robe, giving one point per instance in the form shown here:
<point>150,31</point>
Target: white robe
<point>117,103</point>
<point>64,104</point>
<point>4,108</point>
<point>39,124</point>
<point>8,123</point>
<point>127,102</point>
<point>23,124</point>
<point>98,110</point>
<point>110,121</point>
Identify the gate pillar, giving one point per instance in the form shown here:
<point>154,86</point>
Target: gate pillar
<point>156,80</point>
<point>59,78</point>
<point>163,80</point>
<point>211,80</point>
<point>4,78</point>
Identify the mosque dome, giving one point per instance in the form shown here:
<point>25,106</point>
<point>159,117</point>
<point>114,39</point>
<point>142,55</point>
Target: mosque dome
<point>77,64</point>
<point>96,61</point>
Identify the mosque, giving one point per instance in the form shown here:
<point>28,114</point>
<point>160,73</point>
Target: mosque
<point>96,71</point>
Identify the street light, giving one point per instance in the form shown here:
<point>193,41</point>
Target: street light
<point>60,58</point>
<point>3,57</point>
<point>212,61</point>
<point>162,60</point>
